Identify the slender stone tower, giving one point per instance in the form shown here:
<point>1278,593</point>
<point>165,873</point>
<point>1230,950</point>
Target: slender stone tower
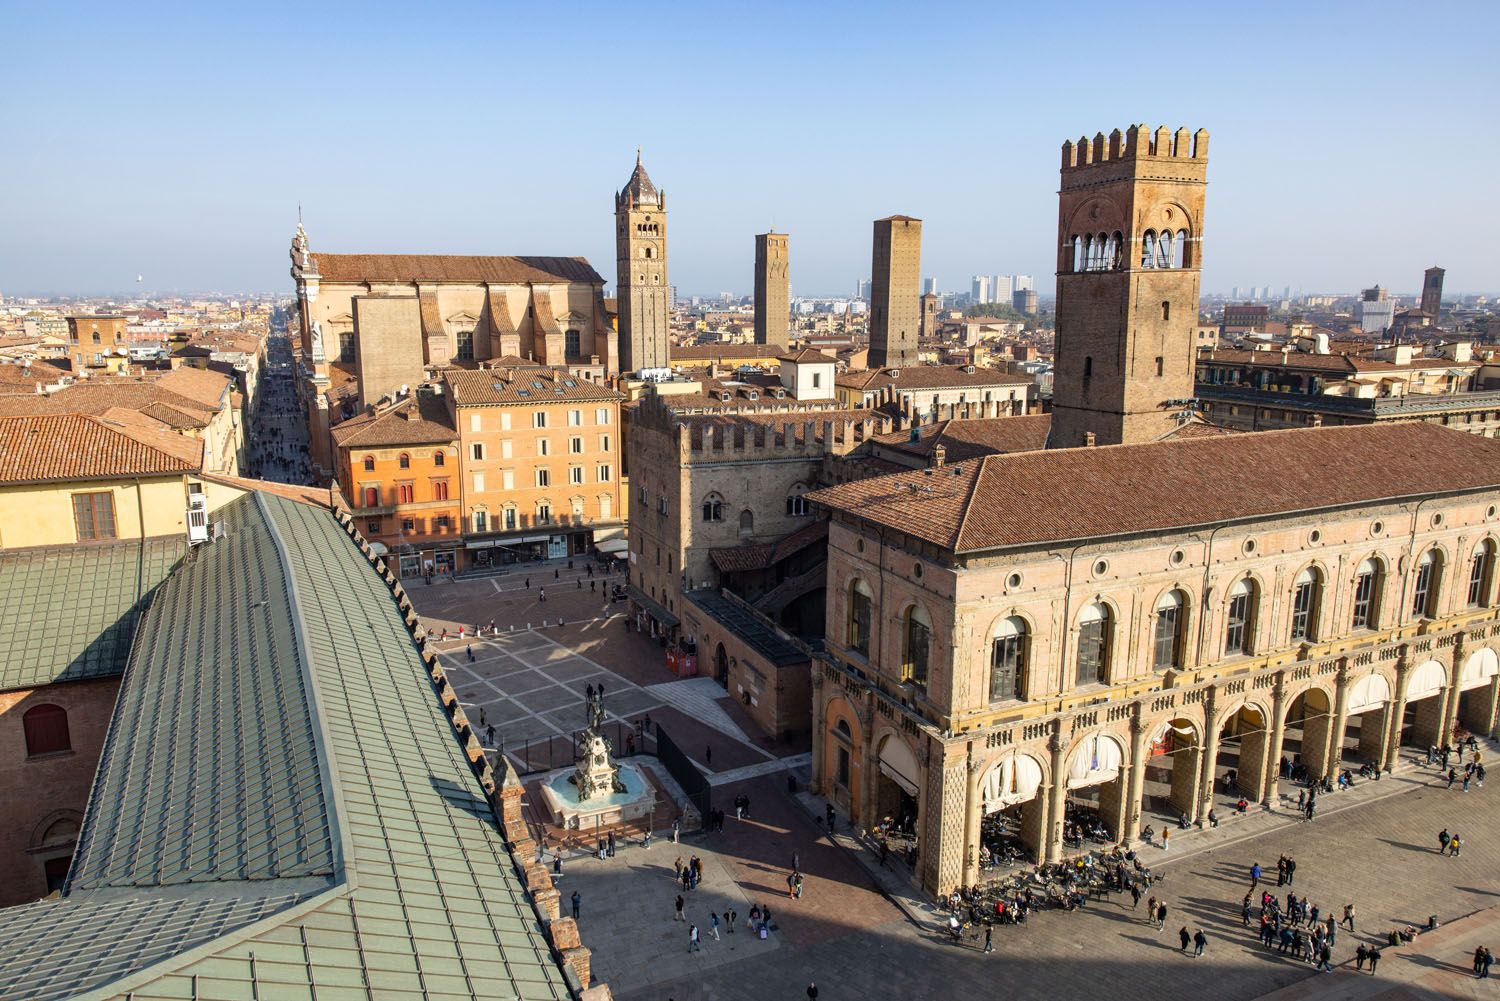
<point>644,298</point>
<point>773,307</point>
<point>895,310</point>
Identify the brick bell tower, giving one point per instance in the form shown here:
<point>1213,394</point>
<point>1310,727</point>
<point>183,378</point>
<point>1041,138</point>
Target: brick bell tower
<point>1130,253</point>
<point>642,293</point>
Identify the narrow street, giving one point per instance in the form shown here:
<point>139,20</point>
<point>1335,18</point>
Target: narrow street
<point>278,431</point>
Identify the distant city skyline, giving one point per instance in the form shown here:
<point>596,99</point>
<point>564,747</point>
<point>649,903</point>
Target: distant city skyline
<point>192,178</point>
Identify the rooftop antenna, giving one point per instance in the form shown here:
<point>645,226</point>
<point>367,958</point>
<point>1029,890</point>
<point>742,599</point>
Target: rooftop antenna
<point>299,213</point>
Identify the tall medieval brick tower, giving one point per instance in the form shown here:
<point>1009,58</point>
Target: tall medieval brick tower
<point>773,308</point>
<point>641,260</point>
<point>1130,239</point>
<point>1432,292</point>
<point>896,278</point>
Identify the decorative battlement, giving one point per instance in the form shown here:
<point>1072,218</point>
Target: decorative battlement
<point>1136,143</point>
<point>743,438</point>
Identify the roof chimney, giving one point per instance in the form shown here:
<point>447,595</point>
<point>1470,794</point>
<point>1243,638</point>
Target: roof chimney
<point>1317,421</point>
<point>1089,439</point>
<point>939,456</point>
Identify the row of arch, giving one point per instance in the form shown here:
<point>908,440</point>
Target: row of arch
<point>714,505</point>
<point>1011,636</point>
<point>1165,249</point>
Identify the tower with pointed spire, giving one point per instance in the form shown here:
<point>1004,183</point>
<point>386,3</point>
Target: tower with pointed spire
<point>643,295</point>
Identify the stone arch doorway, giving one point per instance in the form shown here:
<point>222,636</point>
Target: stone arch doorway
<point>1364,736</point>
<point>1096,783</point>
<point>1011,807</point>
<point>1240,765</point>
<point>1479,687</point>
<point>897,803</point>
<point>1174,764</point>
<point>1308,732</point>
<point>1423,720</point>
<point>721,666</point>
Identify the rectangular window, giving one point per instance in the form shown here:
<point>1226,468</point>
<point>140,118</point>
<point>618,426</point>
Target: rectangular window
<point>604,443</point>
<point>481,521</point>
<point>1421,597</point>
<point>575,446</point>
<point>1236,626</point>
<point>543,477</point>
<point>440,523</point>
<point>1006,667</point>
<point>642,495</point>
<point>539,419</point>
<point>918,645</point>
<point>476,450</point>
<point>601,416</point>
<point>372,527</point>
<point>1364,601</point>
<point>408,524</point>
<point>575,474</point>
<point>1479,574</point>
<point>479,483</point>
<point>544,513</point>
<point>507,479</point>
<point>661,504</point>
<point>1302,611</point>
<point>575,418</point>
<point>474,423</point>
<point>571,345</point>
<point>1166,646</point>
<point>604,473</point>
<point>94,516</point>
<point>859,622</point>
<point>507,448</point>
<point>505,420</point>
<point>543,447</point>
<point>510,519</point>
<point>817,380</point>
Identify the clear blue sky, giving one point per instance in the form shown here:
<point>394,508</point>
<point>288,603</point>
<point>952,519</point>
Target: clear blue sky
<point>1352,143</point>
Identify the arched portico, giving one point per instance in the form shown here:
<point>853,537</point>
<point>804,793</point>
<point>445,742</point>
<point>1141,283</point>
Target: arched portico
<point>1012,805</point>
<point>1424,716</point>
<point>1479,692</point>
<point>1095,785</point>
<point>1174,765</point>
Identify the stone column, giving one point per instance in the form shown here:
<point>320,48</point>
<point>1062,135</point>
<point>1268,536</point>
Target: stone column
<point>1395,711</point>
<point>819,731</point>
<point>974,812</point>
<point>1058,800</point>
<point>1273,752</point>
<point>1034,824</point>
<point>1335,758</point>
<point>1137,789</point>
<point>1210,757</point>
<point>1186,766</point>
<point>1482,715</point>
<point>943,847</point>
<point>862,799</point>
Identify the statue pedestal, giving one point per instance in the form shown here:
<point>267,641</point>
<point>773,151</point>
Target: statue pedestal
<point>597,792</point>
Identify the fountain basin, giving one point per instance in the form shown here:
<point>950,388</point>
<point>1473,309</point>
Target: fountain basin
<point>566,811</point>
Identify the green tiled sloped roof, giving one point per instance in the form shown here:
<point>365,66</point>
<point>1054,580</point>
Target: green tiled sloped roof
<point>71,611</point>
<point>281,670</point>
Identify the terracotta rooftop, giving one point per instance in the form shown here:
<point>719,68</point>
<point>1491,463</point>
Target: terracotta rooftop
<point>418,421</point>
<point>66,447</point>
<point>808,356</point>
<point>528,385</point>
<point>404,268</point>
<point>918,377</point>
<point>970,439</point>
<point>1060,495</point>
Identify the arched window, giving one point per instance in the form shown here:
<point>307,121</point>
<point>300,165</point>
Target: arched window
<point>713,508</point>
<point>1088,367</point>
<point>404,461</point>
<point>861,605</point>
<point>369,463</point>
<point>1148,249</point>
<point>1077,253</point>
<point>1117,248</point>
<point>1424,597</point>
<point>796,501</point>
<point>1008,661</point>
<point>747,522</point>
<point>372,496</point>
<point>917,646</point>
<point>1307,599</point>
<point>46,729</point>
<point>1239,619</point>
<point>1368,580</point>
<point>1180,255</point>
<point>439,459</point>
<point>1166,310</point>
<point>1171,618</point>
<point>1093,644</point>
<point>844,742</point>
<point>1481,573</point>
<point>1164,249</point>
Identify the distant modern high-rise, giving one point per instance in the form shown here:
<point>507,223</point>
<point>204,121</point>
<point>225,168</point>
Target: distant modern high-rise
<point>1021,283</point>
<point>1432,291</point>
<point>862,290</point>
<point>641,262</point>
<point>1375,311</point>
<point>979,289</point>
<point>929,286</point>
<point>1002,287</point>
<point>1234,293</point>
<point>1286,293</point>
<point>896,267</point>
<point>772,289</point>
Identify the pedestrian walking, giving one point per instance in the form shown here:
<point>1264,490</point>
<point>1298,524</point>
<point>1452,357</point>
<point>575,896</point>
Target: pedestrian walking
<point>1484,966</point>
<point>676,830</point>
<point>1478,958</point>
<point>708,754</point>
<point>734,916</point>
<point>812,992</point>
<point>611,844</point>
<point>989,938</point>
<point>1135,893</point>
<point>1349,916</point>
<point>1200,941</point>
<point>1374,957</point>
<point>1165,834</point>
<point>1185,936</point>
<point>693,943</point>
<point>1161,916</point>
<point>1254,876</point>
<point>1311,806</point>
<point>677,915</point>
<point>713,924</point>
<point>577,900</point>
<point>1245,911</point>
<point>1455,846</point>
<point>1452,777</point>
<point>1151,910</point>
<point>677,867</point>
<point>1291,870</point>
<point>1360,955</point>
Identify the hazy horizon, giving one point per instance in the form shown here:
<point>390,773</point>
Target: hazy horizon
<point>177,142</point>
